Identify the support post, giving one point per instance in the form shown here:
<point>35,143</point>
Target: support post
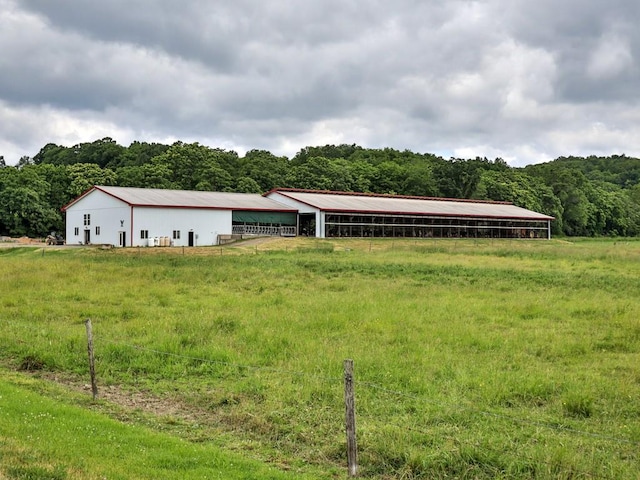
<point>92,369</point>
<point>350,418</point>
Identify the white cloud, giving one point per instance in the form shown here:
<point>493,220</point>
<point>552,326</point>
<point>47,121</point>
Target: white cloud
<point>525,81</point>
<point>24,129</point>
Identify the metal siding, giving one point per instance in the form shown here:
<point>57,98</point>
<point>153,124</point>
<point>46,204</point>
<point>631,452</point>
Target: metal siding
<point>106,212</point>
<point>291,203</point>
<point>302,208</point>
<point>191,199</point>
<point>161,222</point>
<point>399,206</point>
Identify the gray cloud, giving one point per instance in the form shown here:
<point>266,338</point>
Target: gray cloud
<point>527,81</point>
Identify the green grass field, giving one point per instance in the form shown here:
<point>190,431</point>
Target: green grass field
<point>473,359</point>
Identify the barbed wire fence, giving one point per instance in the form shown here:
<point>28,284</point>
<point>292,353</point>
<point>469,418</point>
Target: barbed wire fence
<point>352,389</point>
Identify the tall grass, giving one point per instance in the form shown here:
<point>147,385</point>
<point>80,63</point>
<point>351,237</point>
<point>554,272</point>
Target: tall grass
<point>474,359</point>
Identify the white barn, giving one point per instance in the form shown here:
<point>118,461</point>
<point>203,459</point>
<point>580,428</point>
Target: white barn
<point>124,216</point>
<point>132,217</point>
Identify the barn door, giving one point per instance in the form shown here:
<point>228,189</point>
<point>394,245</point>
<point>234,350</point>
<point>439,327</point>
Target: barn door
<point>192,239</point>
<point>123,239</point>
<point>87,237</point>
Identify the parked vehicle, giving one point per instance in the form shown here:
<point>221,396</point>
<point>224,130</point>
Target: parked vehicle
<point>54,239</point>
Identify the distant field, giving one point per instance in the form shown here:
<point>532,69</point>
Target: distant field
<point>473,359</point>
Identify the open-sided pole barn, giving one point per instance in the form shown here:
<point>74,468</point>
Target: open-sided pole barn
<point>344,214</point>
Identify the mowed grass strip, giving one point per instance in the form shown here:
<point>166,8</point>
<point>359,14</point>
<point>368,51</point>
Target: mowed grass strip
<point>474,359</point>
<point>46,438</point>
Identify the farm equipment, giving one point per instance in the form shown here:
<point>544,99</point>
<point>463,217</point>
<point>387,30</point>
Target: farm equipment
<point>54,239</point>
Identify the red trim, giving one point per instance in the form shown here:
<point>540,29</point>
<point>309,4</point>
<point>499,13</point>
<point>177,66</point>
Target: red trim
<point>75,200</point>
<point>233,209</point>
<point>87,192</point>
<point>384,195</point>
<point>280,192</point>
<point>155,205</point>
<point>112,195</point>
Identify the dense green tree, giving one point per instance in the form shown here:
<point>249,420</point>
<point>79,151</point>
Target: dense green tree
<point>389,177</point>
<point>197,167</point>
<point>266,169</point>
<point>83,176</point>
<point>211,177</point>
<point>320,173</point>
<point>458,178</point>
<point>328,151</point>
<point>52,186</point>
<point>570,186</point>
<point>612,212</point>
<point>53,154</point>
<point>620,170</point>
<point>150,175</point>
<point>509,186</point>
<point>141,153</point>
<point>419,180</point>
<point>587,195</point>
<point>248,185</point>
<point>23,212</point>
<point>528,192</point>
<point>105,153</point>
<point>363,174</point>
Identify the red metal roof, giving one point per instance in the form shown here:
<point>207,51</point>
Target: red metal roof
<point>161,198</point>
<point>345,202</point>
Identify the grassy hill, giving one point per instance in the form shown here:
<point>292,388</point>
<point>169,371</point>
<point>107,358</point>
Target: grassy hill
<point>473,359</point>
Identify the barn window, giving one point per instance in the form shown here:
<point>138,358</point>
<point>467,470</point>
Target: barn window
<point>97,230</point>
<point>76,231</point>
<point>87,219</point>
<point>176,234</point>
<point>144,234</point>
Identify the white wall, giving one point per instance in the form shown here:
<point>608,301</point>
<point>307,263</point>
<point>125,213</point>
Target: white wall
<point>206,224</point>
<point>290,202</point>
<point>114,217</point>
<point>109,214</point>
<point>302,208</point>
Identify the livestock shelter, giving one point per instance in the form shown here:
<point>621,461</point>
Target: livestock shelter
<point>326,214</point>
<point>124,216</point>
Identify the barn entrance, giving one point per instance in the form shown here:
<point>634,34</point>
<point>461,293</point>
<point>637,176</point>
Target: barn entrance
<point>87,237</point>
<point>192,239</point>
<point>123,239</point>
<point>307,224</point>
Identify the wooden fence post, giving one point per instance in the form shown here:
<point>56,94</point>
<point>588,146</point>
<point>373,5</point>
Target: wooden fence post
<point>92,369</point>
<point>350,418</point>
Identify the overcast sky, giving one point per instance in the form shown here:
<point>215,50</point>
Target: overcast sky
<point>527,81</point>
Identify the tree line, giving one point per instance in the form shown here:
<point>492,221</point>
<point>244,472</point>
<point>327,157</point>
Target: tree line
<point>588,196</point>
